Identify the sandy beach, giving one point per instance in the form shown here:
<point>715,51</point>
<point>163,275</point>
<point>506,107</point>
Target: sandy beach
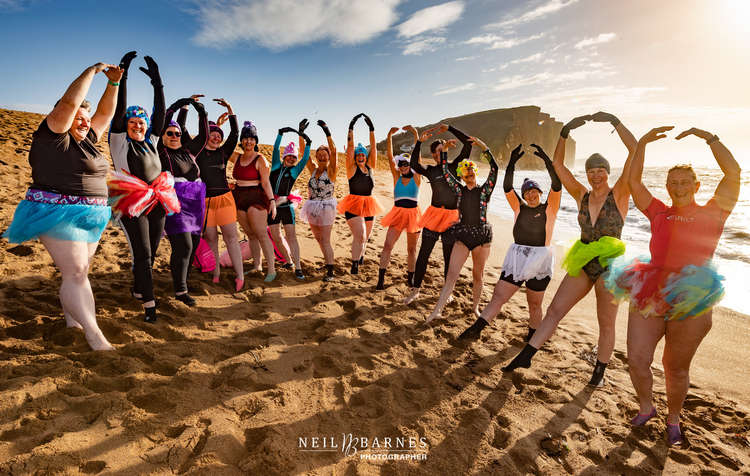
<point>237,383</point>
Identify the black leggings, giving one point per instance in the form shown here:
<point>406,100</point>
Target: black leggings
<point>429,238</point>
<point>183,252</point>
<point>143,234</point>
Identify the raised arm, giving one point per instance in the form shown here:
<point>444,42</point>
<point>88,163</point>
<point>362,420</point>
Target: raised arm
<point>728,190</point>
<point>454,183</point>
<point>575,188</point>
<point>197,143</point>
<point>621,186</point>
<point>555,193</point>
<point>510,169</point>
<point>105,110</point>
<point>159,114</point>
<point>350,164</point>
<point>305,142</point>
<point>416,152</point>
<point>333,157</point>
<point>234,129</point>
<point>389,153</point>
<point>119,124</point>
<point>465,140</point>
<point>641,196</point>
<point>373,157</point>
<point>181,120</point>
<point>489,184</point>
<point>276,155</point>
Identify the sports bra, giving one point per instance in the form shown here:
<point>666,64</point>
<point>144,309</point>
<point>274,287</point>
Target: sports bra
<point>361,183</point>
<point>246,172</point>
<point>406,195</point>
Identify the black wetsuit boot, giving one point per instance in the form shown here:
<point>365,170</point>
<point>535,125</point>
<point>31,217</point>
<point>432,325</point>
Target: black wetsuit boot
<point>530,334</point>
<point>410,278</point>
<point>381,280</point>
<point>474,332</point>
<point>523,359</point>
<point>597,378</point>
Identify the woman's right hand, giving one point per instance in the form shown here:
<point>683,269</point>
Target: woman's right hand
<point>392,131</point>
<point>655,134</point>
<point>272,209</point>
<point>126,59</point>
<point>222,118</point>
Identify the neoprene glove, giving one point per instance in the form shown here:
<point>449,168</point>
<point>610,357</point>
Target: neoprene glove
<point>605,117</point>
<point>199,107</point>
<point>303,124</point>
<point>126,59</point>
<point>539,152</point>
<point>180,103</point>
<point>324,126</point>
<point>152,71</point>
<point>574,123</point>
<point>286,129</point>
<point>516,154</point>
<point>354,120</point>
<point>368,121</point>
<point>306,137</point>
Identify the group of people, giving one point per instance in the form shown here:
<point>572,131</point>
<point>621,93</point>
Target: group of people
<point>169,183</point>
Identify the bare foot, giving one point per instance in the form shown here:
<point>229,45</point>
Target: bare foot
<point>434,315</point>
<point>97,341</point>
<point>450,299</point>
<point>70,322</point>
<point>414,294</point>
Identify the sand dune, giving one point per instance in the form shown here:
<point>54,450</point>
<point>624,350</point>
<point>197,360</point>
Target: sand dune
<point>230,386</point>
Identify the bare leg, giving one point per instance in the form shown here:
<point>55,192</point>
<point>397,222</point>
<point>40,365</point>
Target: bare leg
<point>231,239</point>
<point>502,293</point>
<point>211,235</point>
<point>682,339</point>
<point>643,336</point>
<point>259,222</point>
<point>534,300</point>
<point>368,232</point>
<point>391,237</point>
<point>458,258</point>
<point>72,258</point>
<point>479,257</point>
<point>606,314</point>
<point>244,221</point>
<point>290,231</point>
<point>281,244</point>
<point>571,290</point>
<point>359,235</point>
<point>323,235</point>
<point>411,251</point>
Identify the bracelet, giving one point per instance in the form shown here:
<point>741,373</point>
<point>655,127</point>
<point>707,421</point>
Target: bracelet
<point>272,198</point>
<point>713,139</point>
<point>109,81</point>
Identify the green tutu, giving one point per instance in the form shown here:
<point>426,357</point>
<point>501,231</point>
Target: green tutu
<point>605,249</point>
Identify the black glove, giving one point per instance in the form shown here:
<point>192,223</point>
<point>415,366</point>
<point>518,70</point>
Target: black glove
<point>152,71</point>
<point>180,103</point>
<point>516,154</point>
<point>286,129</point>
<point>126,59</point>
<point>354,120</point>
<point>605,117</point>
<point>368,121</point>
<point>540,153</point>
<point>303,124</point>
<point>574,123</point>
<point>324,126</point>
<point>306,137</point>
<point>199,107</point>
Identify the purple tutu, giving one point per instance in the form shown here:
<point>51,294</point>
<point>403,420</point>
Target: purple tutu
<point>192,197</point>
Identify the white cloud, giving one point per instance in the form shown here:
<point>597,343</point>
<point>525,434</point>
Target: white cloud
<point>535,58</point>
<point>602,38</point>
<point>423,45</point>
<point>496,42</point>
<point>284,23</point>
<point>456,89</point>
<point>431,18</point>
<point>467,58</point>
<point>538,12</point>
<point>519,81</point>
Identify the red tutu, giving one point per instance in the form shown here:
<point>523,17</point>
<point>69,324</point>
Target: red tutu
<point>438,219</point>
<point>360,205</point>
<point>131,196</point>
<point>402,219</point>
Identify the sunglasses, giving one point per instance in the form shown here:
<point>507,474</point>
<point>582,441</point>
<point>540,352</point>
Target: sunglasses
<point>174,134</point>
<point>403,164</point>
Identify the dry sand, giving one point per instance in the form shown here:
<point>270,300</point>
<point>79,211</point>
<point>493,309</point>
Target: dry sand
<point>230,386</point>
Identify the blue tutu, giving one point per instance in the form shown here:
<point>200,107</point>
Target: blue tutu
<point>70,222</point>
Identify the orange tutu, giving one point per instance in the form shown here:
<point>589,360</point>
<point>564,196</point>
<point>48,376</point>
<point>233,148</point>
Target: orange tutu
<point>360,205</point>
<point>221,210</point>
<point>402,219</point>
<point>438,219</point>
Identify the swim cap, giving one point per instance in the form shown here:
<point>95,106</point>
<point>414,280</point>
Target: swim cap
<point>212,127</point>
<point>173,123</point>
<point>464,165</point>
<point>401,158</point>
<point>137,111</point>
<point>597,161</point>
<point>249,130</point>
<point>289,150</point>
<point>529,184</point>
<point>360,149</point>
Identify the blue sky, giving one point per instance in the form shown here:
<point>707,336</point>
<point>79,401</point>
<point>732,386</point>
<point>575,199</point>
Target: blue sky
<point>680,62</point>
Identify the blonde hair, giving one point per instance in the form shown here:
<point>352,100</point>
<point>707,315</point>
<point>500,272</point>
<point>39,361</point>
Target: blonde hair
<point>685,167</point>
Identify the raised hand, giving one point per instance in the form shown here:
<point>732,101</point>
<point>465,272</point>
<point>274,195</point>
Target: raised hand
<point>152,71</point>
<point>425,135</point>
<point>695,132</point>
<point>516,154</point>
<point>354,120</point>
<point>180,103</point>
<point>113,73</point>
<point>478,142</point>
<point>539,152</point>
<point>126,59</point>
<point>410,128</point>
<point>655,134</point>
<point>449,144</point>
<point>303,124</point>
<point>223,102</point>
<point>573,124</point>
<point>324,126</point>
<point>199,107</point>
<point>392,131</point>
<point>602,116</point>
<point>442,128</point>
<point>368,121</point>
<point>222,118</point>
<point>286,129</point>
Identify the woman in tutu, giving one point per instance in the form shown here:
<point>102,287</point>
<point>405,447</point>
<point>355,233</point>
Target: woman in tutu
<point>139,190</point>
<point>473,233</point>
<point>319,210</point>
<point>672,294</point>
<point>405,213</point>
<point>360,207</point>
<point>66,205</point>
<point>601,216</point>
<point>177,153</point>
<point>530,259</point>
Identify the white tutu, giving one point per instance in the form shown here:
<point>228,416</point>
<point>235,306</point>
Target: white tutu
<point>319,212</point>
<point>528,262</point>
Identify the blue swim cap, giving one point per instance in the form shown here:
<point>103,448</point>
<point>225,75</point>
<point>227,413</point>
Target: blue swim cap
<point>360,149</point>
<point>137,111</point>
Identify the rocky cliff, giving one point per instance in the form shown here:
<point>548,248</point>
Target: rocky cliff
<point>502,130</point>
